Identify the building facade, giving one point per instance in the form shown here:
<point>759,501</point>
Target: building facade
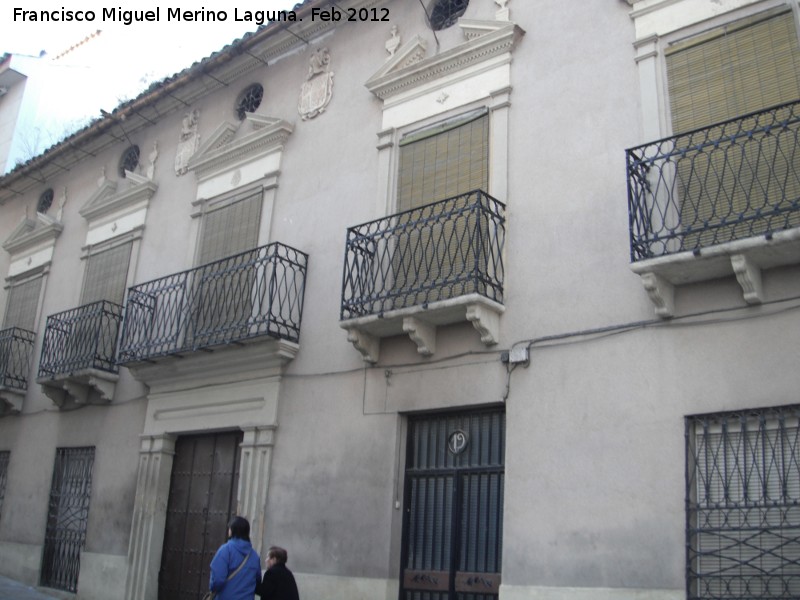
<point>452,299</point>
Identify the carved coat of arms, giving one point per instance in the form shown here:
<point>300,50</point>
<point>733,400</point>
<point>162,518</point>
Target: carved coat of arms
<point>318,88</point>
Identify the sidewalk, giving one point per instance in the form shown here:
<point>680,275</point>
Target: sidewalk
<point>14,590</point>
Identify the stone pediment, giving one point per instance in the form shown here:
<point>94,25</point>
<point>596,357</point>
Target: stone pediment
<point>409,69</point>
<point>107,200</point>
<point>224,151</point>
<point>29,233</point>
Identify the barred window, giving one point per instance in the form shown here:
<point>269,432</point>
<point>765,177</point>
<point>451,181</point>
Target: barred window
<point>5,457</point>
<point>129,160</point>
<point>67,518</point>
<point>45,201</point>
<point>743,504</point>
<point>445,13</point>
<point>249,100</point>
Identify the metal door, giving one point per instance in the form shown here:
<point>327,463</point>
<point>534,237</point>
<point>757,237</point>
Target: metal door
<point>202,499</point>
<point>452,534</point>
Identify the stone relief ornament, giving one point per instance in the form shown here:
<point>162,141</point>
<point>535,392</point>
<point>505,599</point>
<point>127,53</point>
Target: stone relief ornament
<point>318,88</point>
<point>393,42</point>
<point>151,161</point>
<point>188,142</point>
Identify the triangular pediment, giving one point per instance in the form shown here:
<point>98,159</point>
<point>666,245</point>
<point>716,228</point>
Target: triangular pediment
<point>410,69</point>
<point>32,232</point>
<point>224,151</point>
<point>108,200</point>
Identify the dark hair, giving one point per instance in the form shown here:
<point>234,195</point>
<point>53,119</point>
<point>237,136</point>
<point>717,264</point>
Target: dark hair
<point>278,554</point>
<point>240,528</point>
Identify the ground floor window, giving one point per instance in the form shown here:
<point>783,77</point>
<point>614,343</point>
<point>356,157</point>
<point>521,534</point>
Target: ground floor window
<point>5,456</point>
<point>67,517</point>
<point>743,504</point>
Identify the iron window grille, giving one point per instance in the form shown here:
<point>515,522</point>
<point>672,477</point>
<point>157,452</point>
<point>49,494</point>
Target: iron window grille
<point>45,201</point>
<point>445,13</point>
<point>16,345</point>
<point>434,252</point>
<point>129,160</point>
<point>67,517</point>
<point>5,458</point>
<point>743,505</point>
<point>249,100</point>
<point>81,338</point>
<point>248,295</point>
<point>733,180</point>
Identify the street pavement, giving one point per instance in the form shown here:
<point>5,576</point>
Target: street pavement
<point>14,590</point>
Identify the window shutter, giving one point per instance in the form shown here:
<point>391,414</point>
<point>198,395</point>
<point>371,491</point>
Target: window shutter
<point>726,73</point>
<point>734,70</point>
<point>23,300</point>
<point>231,229</point>
<point>107,274</point>
<point>443,161</point>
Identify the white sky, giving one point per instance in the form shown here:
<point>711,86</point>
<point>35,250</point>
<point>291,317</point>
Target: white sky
<point>156,49</point>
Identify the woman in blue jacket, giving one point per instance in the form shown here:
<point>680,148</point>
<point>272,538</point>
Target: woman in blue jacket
<point>236,567</point>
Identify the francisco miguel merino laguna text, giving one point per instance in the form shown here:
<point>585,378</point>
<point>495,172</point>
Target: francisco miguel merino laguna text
<point>127,17</point>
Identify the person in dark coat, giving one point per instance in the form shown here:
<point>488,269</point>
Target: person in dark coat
<point>278,582</point>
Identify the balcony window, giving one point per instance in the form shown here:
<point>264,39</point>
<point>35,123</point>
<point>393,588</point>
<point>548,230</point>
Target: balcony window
<point>82,339</point>
<point>722,196</point>
<point>258,293</point>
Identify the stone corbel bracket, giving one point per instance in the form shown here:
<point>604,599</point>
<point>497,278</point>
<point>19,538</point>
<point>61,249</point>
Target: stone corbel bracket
<point>368,345</point>
<point>748,275</point>
<point>420,325</point>
<point>662,294</point>
<point>11,401</point>
<point>422,334</point>
<point>90,387</point>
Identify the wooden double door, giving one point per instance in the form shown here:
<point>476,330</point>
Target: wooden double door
<point>202,499</point>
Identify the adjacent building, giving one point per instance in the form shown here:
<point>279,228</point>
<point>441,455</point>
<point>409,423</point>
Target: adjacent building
<point>454,300</point>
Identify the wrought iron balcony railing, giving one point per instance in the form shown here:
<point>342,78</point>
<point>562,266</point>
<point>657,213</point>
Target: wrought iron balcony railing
<point>16,346</point>
<point>729,181</point>
<point>436,252</point>
<point>81,338</point>
<point>252,294</point>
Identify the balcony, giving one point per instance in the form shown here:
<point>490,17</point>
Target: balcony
<point>16,346</point>
<point>435,265</point>
<point>253,299</point>
<point>716,201</point>
<point>77,364</point>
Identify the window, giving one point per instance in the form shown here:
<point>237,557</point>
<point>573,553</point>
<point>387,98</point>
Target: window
<point>231,229</point>
<point>437,248</point>
<point>106,274</point>
<point>129,161</point>
<point>5,456</point>
<point>249,100</point>
<point>45,201</point>
<point>445,13</point>
<point>743,504</point>
<point>23,303</point>
<point>67,518</point>
<point>729,72</point>
<point>223,292</point>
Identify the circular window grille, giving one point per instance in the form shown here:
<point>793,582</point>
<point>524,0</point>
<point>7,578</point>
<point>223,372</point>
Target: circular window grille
<point>249,100</point>
<point>445,13</point>
<point>129,160</point>
<point>45,201</point>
